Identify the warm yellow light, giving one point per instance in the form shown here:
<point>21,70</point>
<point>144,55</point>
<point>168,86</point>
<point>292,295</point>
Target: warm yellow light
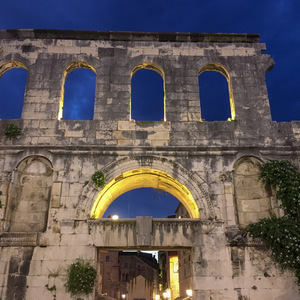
<point>139,178</point>
<point>165,295</point>
<point>123,296</point>
<point>115,217</point>
<point>189,292</point>
<point>157,297</point>
<point>174,276</point>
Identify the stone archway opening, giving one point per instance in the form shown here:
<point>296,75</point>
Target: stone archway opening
<point>145,273</point>
<point>139,178</point>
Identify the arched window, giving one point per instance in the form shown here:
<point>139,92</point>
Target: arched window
<point>13,76</point>
<point>215,94</point>
<point>107,258</point>
<point>78,92</point>
<point>147,93</point>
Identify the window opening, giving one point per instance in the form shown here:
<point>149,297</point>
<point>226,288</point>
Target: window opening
<point>12,90</point>
<point>79,95</point>
<point>147,96</point>
<point>214,96</point>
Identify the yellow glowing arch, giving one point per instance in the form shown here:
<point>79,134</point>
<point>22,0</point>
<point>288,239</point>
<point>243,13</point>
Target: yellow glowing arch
<point>139,178</point>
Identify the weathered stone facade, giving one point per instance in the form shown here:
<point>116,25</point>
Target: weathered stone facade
<point>45,217</point>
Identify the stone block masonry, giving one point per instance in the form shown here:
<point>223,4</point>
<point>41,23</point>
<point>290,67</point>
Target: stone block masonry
<point>49,201</point>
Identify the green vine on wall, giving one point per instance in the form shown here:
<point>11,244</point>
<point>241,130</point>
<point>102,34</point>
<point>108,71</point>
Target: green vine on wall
<point>282,234</point>
<point>81,277</point>
<point>99,179</point>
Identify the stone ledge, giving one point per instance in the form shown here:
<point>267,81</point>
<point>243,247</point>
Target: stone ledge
<point>20,239</point>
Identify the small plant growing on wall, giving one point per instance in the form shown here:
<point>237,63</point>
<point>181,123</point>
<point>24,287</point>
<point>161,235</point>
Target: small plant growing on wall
<point>12,131</point>
<point>282,234</point>
<point>99,179</point>
<point>81,276</point>
<point>52,287</point>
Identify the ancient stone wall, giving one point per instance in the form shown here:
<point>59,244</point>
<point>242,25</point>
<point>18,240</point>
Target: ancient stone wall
<point>46,206</point>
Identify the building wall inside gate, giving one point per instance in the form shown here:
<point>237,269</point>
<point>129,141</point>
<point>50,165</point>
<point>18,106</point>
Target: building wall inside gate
<point>48,216</point>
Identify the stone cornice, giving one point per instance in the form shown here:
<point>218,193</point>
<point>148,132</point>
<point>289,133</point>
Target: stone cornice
<point>129,36</point>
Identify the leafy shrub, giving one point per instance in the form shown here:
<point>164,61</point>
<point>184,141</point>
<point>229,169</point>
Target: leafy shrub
<point>284,178</point>
<point>282,235</point>
<point>81,277</point>
<point>99,179</point>
<point>12,131</point>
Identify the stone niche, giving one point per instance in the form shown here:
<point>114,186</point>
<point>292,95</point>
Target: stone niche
<point>29,195</point>
<point>252,199</point>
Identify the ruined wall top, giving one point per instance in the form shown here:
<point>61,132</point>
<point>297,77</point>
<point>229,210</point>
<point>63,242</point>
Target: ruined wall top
<point>129,36</point>
<point>179,58</point>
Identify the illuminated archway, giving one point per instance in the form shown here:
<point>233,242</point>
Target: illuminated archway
<point>144,177</point>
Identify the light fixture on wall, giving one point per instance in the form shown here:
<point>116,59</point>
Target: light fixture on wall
<point>123,296</point>
<point>115,217</point>
<point>189,293</point>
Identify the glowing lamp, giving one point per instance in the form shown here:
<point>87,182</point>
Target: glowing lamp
<point>116,217</point>
<point>189,292</point>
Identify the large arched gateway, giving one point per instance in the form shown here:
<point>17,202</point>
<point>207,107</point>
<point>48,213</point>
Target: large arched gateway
<point>143,178</point>
<point>133,172</point>
<point>51,212</point>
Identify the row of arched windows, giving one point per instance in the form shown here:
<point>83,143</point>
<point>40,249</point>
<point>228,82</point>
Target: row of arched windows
<point>147,92</point>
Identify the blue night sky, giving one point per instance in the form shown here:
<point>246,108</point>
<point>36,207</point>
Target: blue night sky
<point>277,21</point>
